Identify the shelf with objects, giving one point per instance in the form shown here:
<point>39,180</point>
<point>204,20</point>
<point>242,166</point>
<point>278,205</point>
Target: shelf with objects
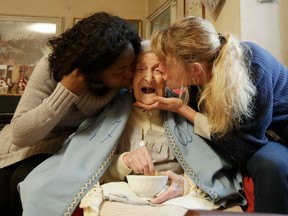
<point>13,80</point>
<point>8,106</point>
<point>20,51</point>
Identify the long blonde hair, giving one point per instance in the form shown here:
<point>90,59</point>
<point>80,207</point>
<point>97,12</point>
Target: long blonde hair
<point>227,96</point>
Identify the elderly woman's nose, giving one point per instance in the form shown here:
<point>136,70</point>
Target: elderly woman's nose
<point>149,76</point>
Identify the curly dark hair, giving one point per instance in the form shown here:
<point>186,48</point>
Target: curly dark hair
<point>92,45</point>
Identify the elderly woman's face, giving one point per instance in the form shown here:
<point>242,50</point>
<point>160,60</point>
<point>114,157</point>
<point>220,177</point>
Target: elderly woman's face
<point>148,81</point>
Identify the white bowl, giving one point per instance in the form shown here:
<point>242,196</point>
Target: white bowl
<point>146,186</point>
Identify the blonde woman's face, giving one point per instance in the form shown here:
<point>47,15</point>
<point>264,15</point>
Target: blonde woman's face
<point>148,81</point>
<point>171,74</point>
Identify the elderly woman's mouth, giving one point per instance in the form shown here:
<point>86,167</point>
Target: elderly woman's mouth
<point>148,90</point>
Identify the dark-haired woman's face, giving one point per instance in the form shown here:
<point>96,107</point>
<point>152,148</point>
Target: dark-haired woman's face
<point>119,74</point>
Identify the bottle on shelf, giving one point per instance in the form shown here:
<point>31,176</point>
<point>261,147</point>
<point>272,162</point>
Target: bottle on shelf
<point>9,84</point>
<point>22,82</point>
<point>3,86</point>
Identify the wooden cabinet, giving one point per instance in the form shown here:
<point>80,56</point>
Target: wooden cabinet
<point>8,104</point>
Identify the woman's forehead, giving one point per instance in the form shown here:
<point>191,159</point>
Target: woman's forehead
<point>146,57</point>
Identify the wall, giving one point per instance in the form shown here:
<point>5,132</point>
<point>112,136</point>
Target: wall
<point>68,9</point>
<point>221,18</point>
<point>284,30</point>
<point>226,18</point>
<point>250,20</point>
<point>266,24</point>
<point>129,9</point>
<point>154,5</point>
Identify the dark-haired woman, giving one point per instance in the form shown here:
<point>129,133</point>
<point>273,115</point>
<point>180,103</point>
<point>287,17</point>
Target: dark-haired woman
<point>87,66</point>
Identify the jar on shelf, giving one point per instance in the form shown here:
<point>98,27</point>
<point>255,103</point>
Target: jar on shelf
<point>3,86</point>
<point>20,86</point>
<point>22,82</point>
<point>10,85</point>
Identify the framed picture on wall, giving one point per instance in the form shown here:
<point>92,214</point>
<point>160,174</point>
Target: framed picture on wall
<point>162,20</point>
<point>194,8</point>
<point>161,17</point>
<point>137,24</point>
<point>23,41</point>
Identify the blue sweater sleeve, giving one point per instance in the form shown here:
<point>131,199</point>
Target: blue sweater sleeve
<point>270,106</point>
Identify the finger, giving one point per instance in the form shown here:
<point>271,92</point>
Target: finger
<point>131,160</point>
<point>138,163</point>
<point>149,170</point>
<point>162,198</point>
<point>77,72</point>
<point>168,173</point>
<point>141,161</point>
<point>147,162</point>
<point>137,169</point>
<point>145,106</point>
<point>159,200</point>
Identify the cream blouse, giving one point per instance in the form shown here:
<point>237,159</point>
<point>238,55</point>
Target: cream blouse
<point>148,127</point>
<point>142,126</point>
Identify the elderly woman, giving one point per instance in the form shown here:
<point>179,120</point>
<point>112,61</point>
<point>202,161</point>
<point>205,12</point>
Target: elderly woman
<point>122,140</point>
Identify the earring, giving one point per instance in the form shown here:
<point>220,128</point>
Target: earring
<point>195,80</point>
<point>131,90</point>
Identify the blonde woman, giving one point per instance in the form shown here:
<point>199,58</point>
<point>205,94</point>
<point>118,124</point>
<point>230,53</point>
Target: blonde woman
<point>241,96</point>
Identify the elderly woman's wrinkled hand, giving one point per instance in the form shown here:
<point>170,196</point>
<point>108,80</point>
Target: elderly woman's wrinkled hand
<point>175,189</point>
<point>162,103</point>
<point>140,161</point>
